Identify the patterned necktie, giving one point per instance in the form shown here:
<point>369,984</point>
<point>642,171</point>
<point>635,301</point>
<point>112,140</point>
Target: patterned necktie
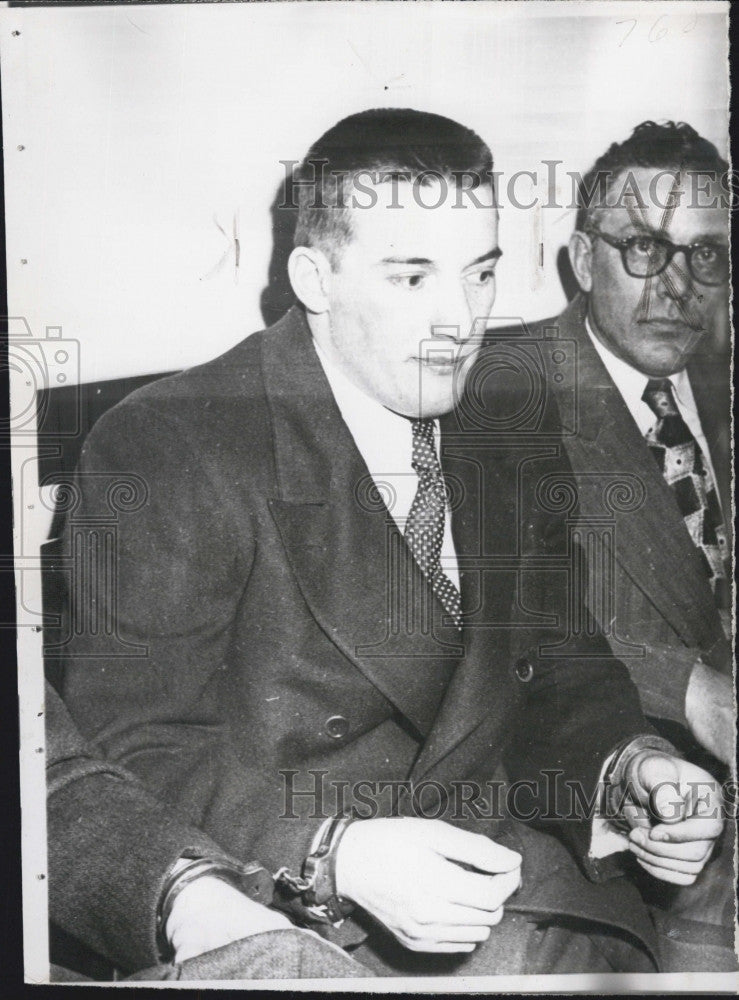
<point>688,474</point>
<point>424,530</point>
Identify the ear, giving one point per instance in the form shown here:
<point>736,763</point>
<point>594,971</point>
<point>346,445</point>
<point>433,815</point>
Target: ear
<point>309,271</point>
<point>581,259</point>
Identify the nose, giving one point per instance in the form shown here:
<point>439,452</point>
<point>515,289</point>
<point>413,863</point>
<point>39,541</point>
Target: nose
<point>452,318</point>
<point>675,281</point>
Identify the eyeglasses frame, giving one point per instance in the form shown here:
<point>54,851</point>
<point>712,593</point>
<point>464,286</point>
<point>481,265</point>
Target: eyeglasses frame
<point>672,248</point>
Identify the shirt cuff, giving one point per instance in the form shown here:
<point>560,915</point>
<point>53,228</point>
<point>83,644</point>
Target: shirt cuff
<point>605,839</point>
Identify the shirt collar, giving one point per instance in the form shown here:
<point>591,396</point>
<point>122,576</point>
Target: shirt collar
<point>382,436</point>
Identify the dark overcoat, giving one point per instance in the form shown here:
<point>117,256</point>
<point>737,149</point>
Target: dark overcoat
<point>248,619</point>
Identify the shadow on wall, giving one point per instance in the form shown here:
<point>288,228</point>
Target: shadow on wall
<point>278,296</point>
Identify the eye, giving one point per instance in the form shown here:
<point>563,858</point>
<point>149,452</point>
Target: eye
<point>645,246</point>
<point>482,278</point>
<point>409,281</point>
<point>706,254</point>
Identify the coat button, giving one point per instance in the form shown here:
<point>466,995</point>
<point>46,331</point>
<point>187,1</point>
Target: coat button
<point>337,726</point>
<point>524,670</point>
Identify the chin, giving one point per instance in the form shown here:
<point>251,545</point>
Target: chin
<point>663,367</point>
<point>430,409</point>
<point>443,400</point>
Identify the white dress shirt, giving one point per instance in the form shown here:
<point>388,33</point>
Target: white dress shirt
<point>631,383</point>
<point>385,442</point>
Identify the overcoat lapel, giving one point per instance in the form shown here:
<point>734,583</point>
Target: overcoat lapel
<point>341,541</point>
<point>652,543</point>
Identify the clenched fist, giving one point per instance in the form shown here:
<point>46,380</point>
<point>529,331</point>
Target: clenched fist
<point>676,818</point>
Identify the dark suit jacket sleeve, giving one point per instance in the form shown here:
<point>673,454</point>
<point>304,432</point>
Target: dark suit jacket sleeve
<point>110,847</point>
<point>148,696</point>
<point>579,702</point>
<point>663,678</point>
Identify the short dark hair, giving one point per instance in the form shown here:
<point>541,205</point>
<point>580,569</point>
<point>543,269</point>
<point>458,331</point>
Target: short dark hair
<point>666,146</point>
<point>390,142</point>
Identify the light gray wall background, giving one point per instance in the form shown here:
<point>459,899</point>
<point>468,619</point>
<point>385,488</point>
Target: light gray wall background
<point>150,132</point>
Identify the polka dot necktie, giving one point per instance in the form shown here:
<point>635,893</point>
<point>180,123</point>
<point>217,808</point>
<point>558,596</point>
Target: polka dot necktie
<point>424,530</point>
<point>688,474</point>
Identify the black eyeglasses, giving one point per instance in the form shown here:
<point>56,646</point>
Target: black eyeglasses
<point>646,256</point>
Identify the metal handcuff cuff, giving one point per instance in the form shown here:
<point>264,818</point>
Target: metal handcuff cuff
<point>251,879</point>
<point>622,779</point>
<point>317,883</point>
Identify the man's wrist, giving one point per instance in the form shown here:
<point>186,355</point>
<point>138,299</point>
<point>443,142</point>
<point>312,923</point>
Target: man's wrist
<point>316,886</point>
<point>621,781</point>
<point>320,869</point>
<point>249,879</point>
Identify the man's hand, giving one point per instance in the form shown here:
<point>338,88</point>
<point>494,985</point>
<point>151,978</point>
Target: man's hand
<point>676,846</point>
<point>709,709</point>
<point>403,872</point>
<point>209,913</point>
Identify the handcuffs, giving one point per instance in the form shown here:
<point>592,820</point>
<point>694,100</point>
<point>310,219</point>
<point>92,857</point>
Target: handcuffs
<point>251,879</point>
<point>622,779</point>
<point>317,883</point>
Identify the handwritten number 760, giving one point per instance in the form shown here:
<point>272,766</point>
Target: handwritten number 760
<point>659,29</point>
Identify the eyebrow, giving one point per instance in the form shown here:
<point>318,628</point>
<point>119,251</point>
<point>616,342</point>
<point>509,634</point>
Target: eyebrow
<point>642,228</point>
<point>491,255</point>
<point>425,262</point>
<point>715,239</point>
<point>408,260</point>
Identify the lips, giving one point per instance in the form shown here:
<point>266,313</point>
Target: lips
<point>444,358</point>
<point>670,327</point>
<point>440,363</point>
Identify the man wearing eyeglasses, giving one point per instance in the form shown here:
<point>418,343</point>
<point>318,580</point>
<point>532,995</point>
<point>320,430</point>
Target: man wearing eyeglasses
<point>650,254</point>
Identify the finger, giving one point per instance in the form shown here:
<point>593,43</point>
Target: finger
<point>483,892</point>
<point>695,828</point>
<point>667,804</point>
<point>636,815</point>
<point>654,773</point>
<point>670,864</point>
<point>694,850</point>
<point>681,852</point>
<point>471,848</point>
<point>454,914</point>
<point>657,786</point>
<point>704,797</point>
<point>664,875</point>
<point>435,947</point>
<point>455,933</point>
